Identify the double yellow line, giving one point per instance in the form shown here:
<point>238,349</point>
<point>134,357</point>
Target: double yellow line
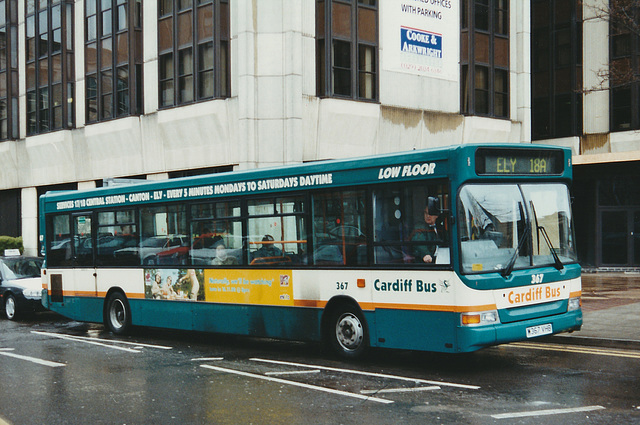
<point>576,349</point>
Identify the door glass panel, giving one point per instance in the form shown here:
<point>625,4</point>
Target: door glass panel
<point>82,241</point>
<point>614,237</point>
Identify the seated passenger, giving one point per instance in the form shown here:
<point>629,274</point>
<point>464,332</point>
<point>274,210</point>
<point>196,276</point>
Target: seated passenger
<point>223,257</point>
<point>267,249</point>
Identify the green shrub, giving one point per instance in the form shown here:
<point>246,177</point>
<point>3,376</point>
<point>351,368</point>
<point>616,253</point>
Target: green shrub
<point>8,242</point>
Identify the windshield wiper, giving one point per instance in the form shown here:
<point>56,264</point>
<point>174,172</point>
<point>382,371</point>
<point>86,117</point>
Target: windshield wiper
<point>557,262</point>
<point>507,270</point>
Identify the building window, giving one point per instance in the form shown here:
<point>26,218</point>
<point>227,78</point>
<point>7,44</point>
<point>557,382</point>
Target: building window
<point>8,69</point>
<point>556,62</point>
<point>193,50</point>
<point>50,71</point>
<point>624,51</point>
<point>485,58</point>
<point>347,49</point>
<point>113,59</point>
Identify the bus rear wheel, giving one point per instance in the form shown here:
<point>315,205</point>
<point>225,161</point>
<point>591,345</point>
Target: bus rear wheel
<point>117,316</point>
<point>347,332</point>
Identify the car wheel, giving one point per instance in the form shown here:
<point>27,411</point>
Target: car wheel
<point>347,332</point>
<point>117,316</point>
<point>10,307</point>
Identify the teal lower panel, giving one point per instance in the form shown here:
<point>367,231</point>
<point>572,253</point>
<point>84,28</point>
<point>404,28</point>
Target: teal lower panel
<point>413,330</point>
<point>83,309</point>
<point>292,323</point>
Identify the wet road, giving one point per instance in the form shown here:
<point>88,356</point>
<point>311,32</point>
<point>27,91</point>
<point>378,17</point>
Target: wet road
<point>56,371</point>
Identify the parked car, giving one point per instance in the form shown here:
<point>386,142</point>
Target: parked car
<point>20,285</point>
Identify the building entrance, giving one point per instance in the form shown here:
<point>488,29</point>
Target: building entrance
<point>619,237</point>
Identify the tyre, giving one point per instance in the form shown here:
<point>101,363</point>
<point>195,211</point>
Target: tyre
<point>10,307</point>
<point>347,332</point>
<point>117,315</point>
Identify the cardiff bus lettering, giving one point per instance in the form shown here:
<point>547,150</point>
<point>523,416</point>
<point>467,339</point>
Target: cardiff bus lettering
<point>404,285</point>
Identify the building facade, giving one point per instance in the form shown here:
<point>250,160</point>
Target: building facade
<point>92,90</point>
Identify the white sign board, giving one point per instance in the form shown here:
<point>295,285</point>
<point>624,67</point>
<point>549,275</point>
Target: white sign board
<point>422,37</point>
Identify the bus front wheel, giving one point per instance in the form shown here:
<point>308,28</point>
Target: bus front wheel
<point>348,332</point>
<point>117,315</point>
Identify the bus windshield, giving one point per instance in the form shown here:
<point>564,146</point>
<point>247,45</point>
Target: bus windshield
<point>504,227</point>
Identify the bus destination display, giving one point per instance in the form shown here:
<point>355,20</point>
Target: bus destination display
<point>518,162</point>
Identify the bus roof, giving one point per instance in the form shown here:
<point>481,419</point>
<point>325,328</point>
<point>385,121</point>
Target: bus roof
<point>400,166</point>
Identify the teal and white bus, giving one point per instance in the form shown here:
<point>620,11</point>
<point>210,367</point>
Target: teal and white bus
<point>450,249</point>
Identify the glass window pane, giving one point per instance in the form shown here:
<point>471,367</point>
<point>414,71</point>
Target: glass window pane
<point>205,22</point>
<point>185,62</point>
<point>91,57</point>
<point>106,22</point>
<point>340,230</point>
<point>367,25</point>
<point>165,7</point>
<point>122,41</point>
<point>92,29</point>
<point>166,66</point>
<point>205,57</point>
<point>165,34</point>
<point>185,29</point>
<point>90,7</point>
<point>106,54</point>
<point>341,20</point>
<point>122,17</point>
<point>164,230</point>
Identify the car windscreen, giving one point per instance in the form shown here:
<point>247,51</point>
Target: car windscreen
<point>21,267</point>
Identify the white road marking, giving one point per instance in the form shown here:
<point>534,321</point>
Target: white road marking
<point>298,384</point>
<point>377,375</point>
<point>87,338</point>
<point>7,349</point>
<point>546,412</point>
<point>400,390</point>
<point>32,359</point>
<point>207,359</point>
<point>575,349</point>
<point>293,372</point>
<point>77,339</point>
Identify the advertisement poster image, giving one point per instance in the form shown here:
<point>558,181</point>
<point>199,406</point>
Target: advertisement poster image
<point>236,286</point>
<point>174,284</point>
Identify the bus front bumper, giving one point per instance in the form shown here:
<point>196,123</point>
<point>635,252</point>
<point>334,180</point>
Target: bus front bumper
<point>474,338</point>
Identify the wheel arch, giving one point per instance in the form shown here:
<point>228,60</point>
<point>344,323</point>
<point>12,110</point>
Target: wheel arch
<point>112,290</point>
<point>337,303</point>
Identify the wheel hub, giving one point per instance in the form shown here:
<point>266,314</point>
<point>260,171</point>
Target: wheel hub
<point>349,332</point>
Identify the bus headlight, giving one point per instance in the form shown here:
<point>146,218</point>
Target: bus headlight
<point>480,318</point>
<point>574,304</point>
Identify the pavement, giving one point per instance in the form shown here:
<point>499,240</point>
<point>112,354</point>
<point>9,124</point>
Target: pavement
<point>611,311</point>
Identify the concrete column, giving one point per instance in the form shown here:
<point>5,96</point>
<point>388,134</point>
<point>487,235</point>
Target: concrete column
<point>30,233</point>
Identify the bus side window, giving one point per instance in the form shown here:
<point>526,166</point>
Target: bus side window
<point>277,232</point>
<point>340,229</point>
<point>403,231</point>
<point>164,235</point>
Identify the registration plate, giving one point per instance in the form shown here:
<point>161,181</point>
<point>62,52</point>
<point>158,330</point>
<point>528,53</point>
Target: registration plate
<point>539,330</point>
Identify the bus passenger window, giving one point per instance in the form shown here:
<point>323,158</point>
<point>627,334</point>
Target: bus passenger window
<point>277,232</point>
<point>216,234</point>
<point>410,225</point>
<point>117,234</point>
<point>339,229</point>
<point>164,239</point>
